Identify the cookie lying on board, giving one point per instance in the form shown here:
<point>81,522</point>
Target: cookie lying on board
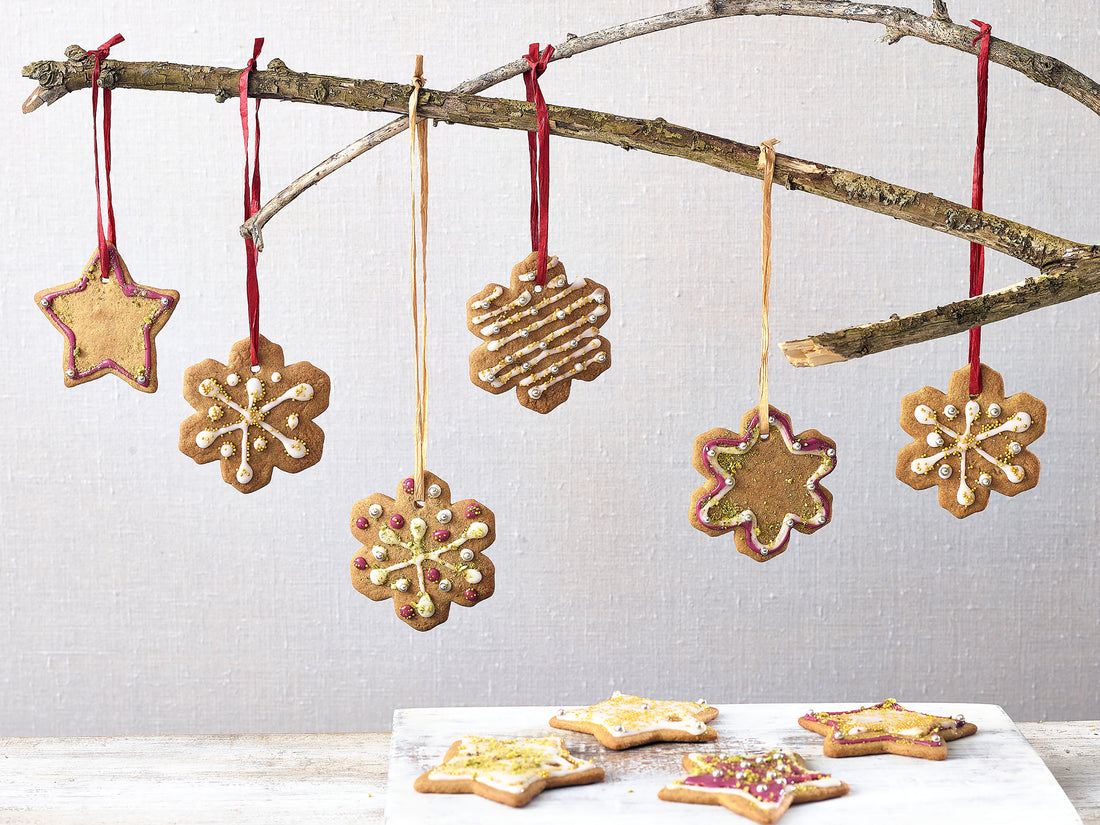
<point>886,728</point>
<point>628,721</point>
<point>509,771</point>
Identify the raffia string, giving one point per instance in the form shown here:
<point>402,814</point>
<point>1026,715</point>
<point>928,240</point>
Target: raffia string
<point>766,162</point>
<point>418,150</point>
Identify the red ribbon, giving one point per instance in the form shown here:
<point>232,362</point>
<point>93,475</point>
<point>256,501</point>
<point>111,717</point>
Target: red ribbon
<point>539,149</point>
<point>977,251</point>
<point>99,55</point>
<point>251,207</point>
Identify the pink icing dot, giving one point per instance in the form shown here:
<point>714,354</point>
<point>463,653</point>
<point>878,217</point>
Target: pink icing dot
<point>432,575</point>
<point>473,511</point>
<point>470,594</point>
<point>407,485</point>
<point>441,535</point>
<point>397,521</point>
<point>361,523</point>
<point>406,611</point>
<point>360,563</point>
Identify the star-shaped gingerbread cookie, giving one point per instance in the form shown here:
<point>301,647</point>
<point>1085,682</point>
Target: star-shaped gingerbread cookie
<point>254,420</point>
<point>758,786</point>
<point>625,721</point>
<point>760,487</point>
<point>423,554</point>
<point>886,728</point>
<point>969,446</point>
<point>109,323</point>
<point>537,339</point>
<point>509,771</point>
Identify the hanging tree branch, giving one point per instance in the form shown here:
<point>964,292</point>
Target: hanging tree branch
<point>1070,269</point>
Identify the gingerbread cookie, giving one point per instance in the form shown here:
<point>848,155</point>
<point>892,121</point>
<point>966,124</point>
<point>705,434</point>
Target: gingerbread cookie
<point>510,771</point>
<point>969,446</point>
<point>758,786</point>
<point>254,420</point>
<point>538,338</point>
<point>886,728</point>
<point>762,488</point>
<point>109,323</point>
<point>424,555</point>
<point>628,721</point>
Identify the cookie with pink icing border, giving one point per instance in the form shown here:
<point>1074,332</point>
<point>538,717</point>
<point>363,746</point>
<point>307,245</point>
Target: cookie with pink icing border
<point>886,728</point>
<point>537,339</point>
<point>109,323</point>
<point>970,446</point>
<point>758,786</point>
<point>252,421</point>
<point>759,487</point>
<point>424,555</point>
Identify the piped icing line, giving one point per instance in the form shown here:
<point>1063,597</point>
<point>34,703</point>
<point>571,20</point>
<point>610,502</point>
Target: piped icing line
<point>525,332</point>
<point>523,299</point>
<point>418,555</point>
<point>509,765</point>
<point>579,367</point>
<point>764,779</point>
<point>486,302</point>
<point>543,350</point>
<point>967,441</point>
<point>530,276</point>
<point>130,290</point>
<point>624,715</point>
<point>809,446</point>
<point>252,416</point>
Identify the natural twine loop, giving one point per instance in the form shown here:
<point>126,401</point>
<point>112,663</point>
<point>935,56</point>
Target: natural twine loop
<point>418,150</point>
<point>766,161</point>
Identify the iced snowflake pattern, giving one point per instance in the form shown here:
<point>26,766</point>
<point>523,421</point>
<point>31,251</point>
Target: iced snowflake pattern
<point>422,554</point>
<point>256,436</point>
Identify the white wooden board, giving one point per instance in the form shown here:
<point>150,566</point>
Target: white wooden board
<point>993,776</point>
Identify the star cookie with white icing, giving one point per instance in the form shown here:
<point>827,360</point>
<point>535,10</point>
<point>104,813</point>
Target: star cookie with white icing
<point>537,339</point>
<point>758,786</point>
<point>254,420</point>
<point>109,323</point>
<point>509,771</point>
<point>629,721</point>
<point>425,555</point>
<point>970,446</point>
<point>886,728</point>
<point>762,487</point>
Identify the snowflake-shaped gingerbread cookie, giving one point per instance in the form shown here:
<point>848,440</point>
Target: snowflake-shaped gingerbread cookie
<point>969,446</point>
<point>761,487</point>
<point>537,339</point>
<point>758,786</point>
<point>422,554</point>
<point>253,421</point>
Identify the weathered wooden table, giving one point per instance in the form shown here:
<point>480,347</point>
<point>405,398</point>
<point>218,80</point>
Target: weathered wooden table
<point>306,778</point>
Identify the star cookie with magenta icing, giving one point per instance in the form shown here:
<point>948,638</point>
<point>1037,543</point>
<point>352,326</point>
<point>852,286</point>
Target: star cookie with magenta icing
<point>761,488</point>
<point>424,555</point>
<point>886,728</point>
<point>537,339</point>
<point>625,721</point>
<point>109,323</point>
<point>254,420</point>
<point>758,786</point>
<point>970,446</point>
<point>509,771</point>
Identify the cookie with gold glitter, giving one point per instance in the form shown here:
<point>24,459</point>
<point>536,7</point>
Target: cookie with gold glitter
<point>625,721</point>
<point>886,728</point>
<point>761,487</point>
<point>537,339</point>
<point>760,786</point>
<point>509,771</point>
<point>970,446</point>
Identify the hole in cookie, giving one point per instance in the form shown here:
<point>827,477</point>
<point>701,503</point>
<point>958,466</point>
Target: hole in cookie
<point>418,504</point>
<point>103,279</point>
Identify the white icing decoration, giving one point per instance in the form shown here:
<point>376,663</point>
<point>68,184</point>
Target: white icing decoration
<point>425,606</point>
<point>967,442</point>
<point>472,576</point>
<point>626,715</point>
<point>443,516</point>
<point>467,554</point>
<point>215,412</point>
<point>379,553</point>
<point>276,377</point>
<point>227,450</point>
<point>375,510</point>
<point>378,576</point>
<point>253,416</point>
<point>402,584</point>
<point>522,762</point>
<point>434,491</point>
<point>445,585</point>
